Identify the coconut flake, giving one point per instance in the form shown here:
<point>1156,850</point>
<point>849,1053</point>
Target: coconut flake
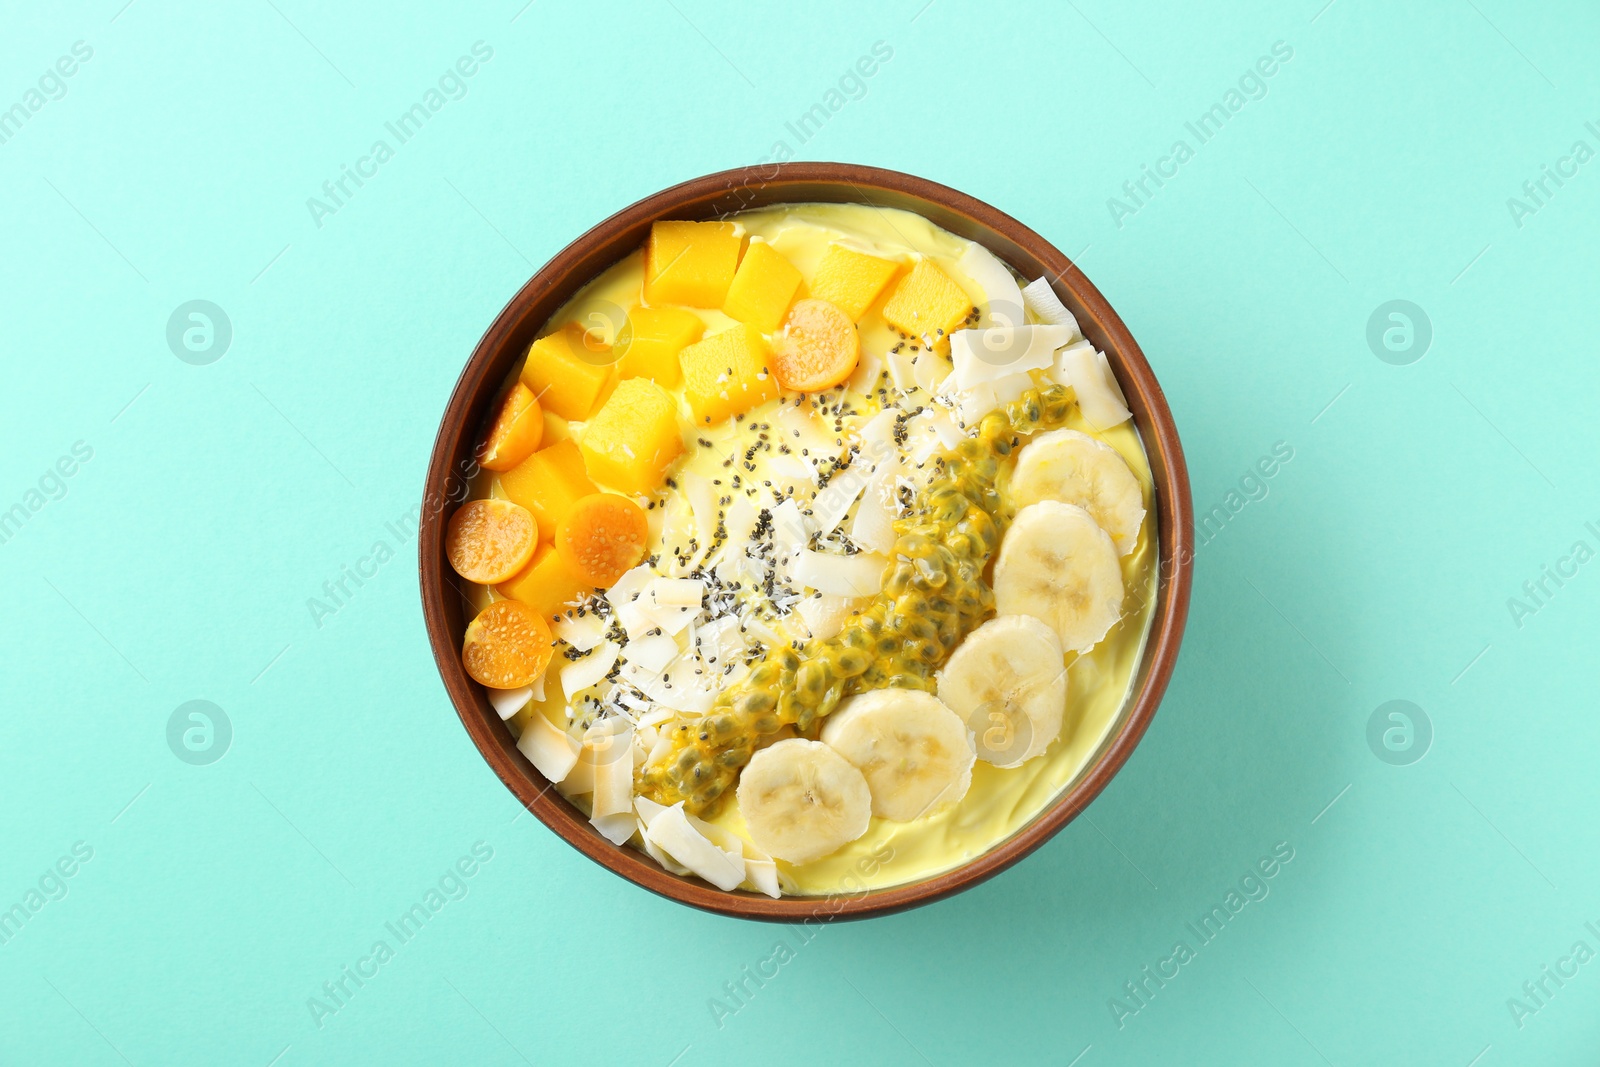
<point>653,653</point>
<point>580,674</point>
<point>791,474</point>
<point>825,615</point>
<point>902,370</point>
<point>722,837</point>
<point>1041,299</point>
<point>690,670</point>
<point>672,832</point>
<point>921,441</point>
<point>702,497</point>
<point>837,497</point>
<point>647,809</point>
<point>693,702</point>
<point>582,632</point>
<point>973,403</point>
<point>760,872</point>
<point>629,586</point>
<point>653,718</point>
<point>1003,300</point>
<point>654,852</point>
<point>1012,386</point>
<point>595,748</point>
<point>580,779</point>
<point>761,631</point>
<point>987,355</point>
<point>1043,341</point>
<point>507,702</point>
<point>613,770</point>
<point>790,530</point>
<point>762,875</point>
<point>876,431</point>
<point>1099,400</point>
<point>859,575</point>
<point>669,620</point>
<point>866,373</point>
<point>720,642</point>
<point>737,566</point>
<point>739,521</point>
<point>615,828</point>
<point>1111,379</point>
<point>642,678</point>
<point>550,749</point>
<point>928,369</point>
<point>622,597</point>
<point>660,751</point>
<point>625,698</point>
<point>944,426</point>
<point>635,623</point>
<point>873,525</point>
<point>676,592</point>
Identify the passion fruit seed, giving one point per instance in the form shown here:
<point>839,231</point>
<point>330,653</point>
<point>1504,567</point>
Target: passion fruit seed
<point>933,594</point>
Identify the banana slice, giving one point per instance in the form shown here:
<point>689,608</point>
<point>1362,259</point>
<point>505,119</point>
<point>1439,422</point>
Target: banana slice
<point>1058,566</point>
<point>802,800</point>
<point>1074,468</point>
<point>915,752</point>
<point>1008,682</point>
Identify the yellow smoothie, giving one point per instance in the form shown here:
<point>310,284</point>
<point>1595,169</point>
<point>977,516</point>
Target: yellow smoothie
<point>999,802</point>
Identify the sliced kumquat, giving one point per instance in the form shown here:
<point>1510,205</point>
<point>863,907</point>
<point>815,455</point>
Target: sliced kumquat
<point>488,541</point>
<point>603,537</point>
<point>817,348</point>
<point>516,432</point>
<point>507,646</point>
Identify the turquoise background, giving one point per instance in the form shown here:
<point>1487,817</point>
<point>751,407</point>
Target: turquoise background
<point>219,498</point>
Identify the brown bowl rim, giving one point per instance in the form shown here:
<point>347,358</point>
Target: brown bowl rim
<point>719,194</point>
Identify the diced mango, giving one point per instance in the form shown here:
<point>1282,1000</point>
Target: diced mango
<point>567,372</point>
<point>690,263</point>
<point>652,340</point>
<point>632,438</point>
<point>726,374</point>
<point>927,303</point>
<point>851,279</point>
<point>555,429</point>
<point>515,433</point>
<point>547,584</point>
<point>763,287</point>
<point>547,483</point>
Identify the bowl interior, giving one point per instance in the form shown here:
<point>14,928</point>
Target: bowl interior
<point>714,196</point>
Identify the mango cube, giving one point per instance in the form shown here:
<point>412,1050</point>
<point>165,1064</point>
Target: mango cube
<point>927,303</point>
<point>652,340</point>
<point>852,280</point>
<point>548,483</point>
<point>566,371</point>
<point>726,374</point>
<point>690,263</point>
<point>555,429</point>
<point>547,584</point>
<point>763,287</point>
<point>632,438</point>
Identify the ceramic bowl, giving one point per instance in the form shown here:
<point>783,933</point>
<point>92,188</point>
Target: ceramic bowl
<point>713,196</point>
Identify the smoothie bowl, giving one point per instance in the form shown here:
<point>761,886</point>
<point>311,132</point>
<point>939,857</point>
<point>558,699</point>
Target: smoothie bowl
<point>807,540</point>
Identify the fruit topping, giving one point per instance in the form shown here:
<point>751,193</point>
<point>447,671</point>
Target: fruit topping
<point>487,541</point>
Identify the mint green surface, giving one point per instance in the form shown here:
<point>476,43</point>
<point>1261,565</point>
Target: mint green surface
<point>176,564</point>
